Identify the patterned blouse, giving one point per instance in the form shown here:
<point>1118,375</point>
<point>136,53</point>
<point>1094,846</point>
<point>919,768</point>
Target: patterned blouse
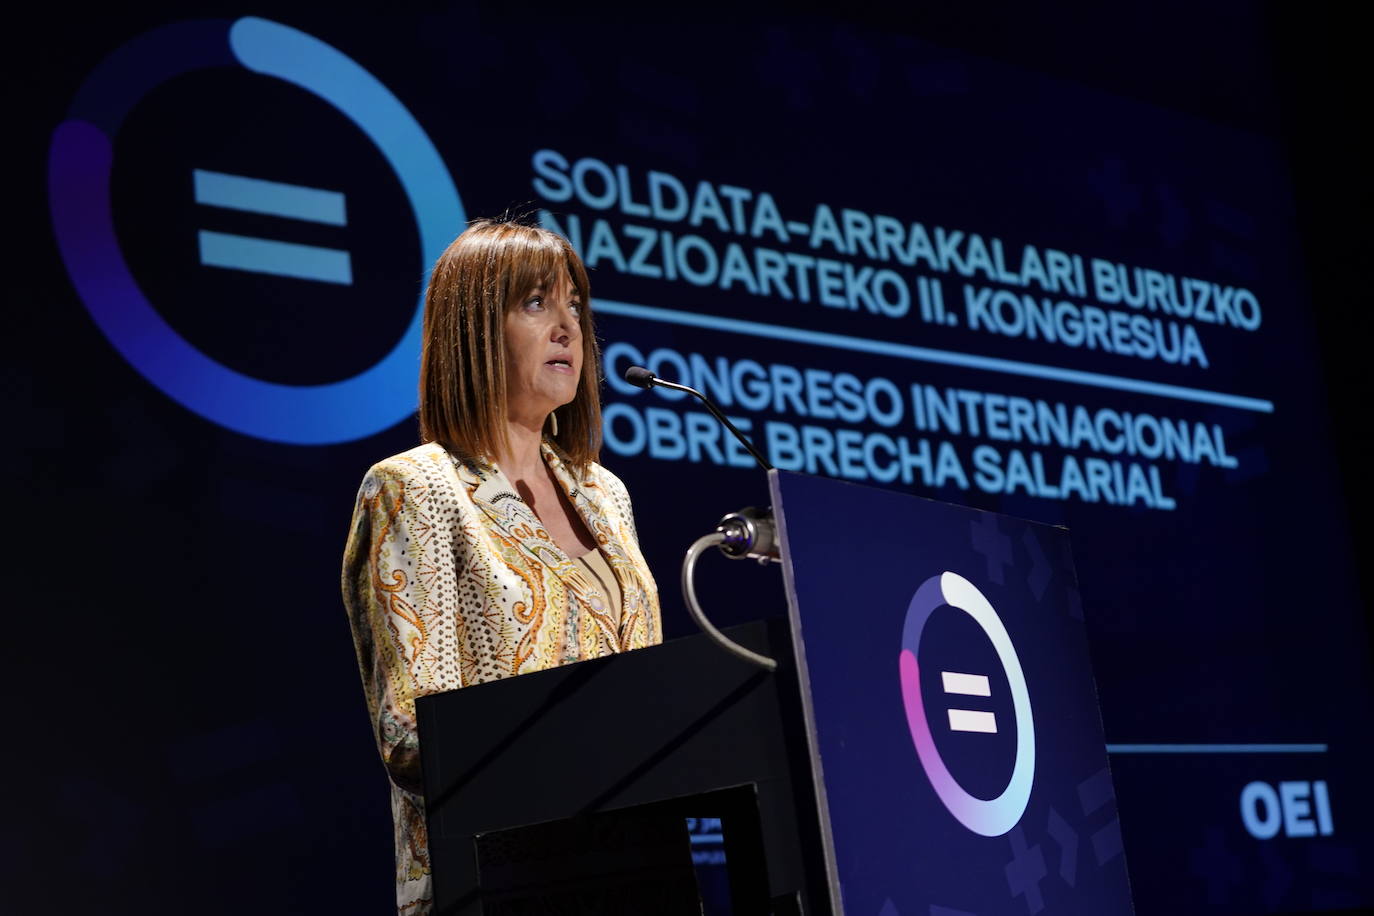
<point>450,579</point>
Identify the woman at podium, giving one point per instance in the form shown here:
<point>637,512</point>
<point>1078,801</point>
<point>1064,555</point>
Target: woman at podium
<point>499,546</point>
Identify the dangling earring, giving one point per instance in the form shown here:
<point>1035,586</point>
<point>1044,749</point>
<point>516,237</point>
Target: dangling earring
<point>553,424</point>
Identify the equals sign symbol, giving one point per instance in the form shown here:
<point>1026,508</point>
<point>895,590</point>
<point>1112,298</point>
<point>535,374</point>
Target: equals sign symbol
<point>969,720</point>
<point>269,256</point>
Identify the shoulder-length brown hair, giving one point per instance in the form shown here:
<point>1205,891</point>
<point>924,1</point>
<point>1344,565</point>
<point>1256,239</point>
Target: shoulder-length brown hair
<point>480,277</point>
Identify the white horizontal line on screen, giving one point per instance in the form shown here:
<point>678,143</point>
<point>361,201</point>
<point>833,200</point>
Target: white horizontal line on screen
<point>268,256</point>
<point>274,198</point>
<point>1216,748</point>
<point>928,355</point>
<point>972,720</point>
<point>974,685</point>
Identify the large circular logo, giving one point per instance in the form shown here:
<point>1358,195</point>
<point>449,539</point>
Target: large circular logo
<point>987,817</point>
<point>80,162</point>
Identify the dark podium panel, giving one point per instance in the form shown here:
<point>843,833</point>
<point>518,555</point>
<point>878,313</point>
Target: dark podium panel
<point>931,731</point>
<point>950,703</point>
<point>659,734</point>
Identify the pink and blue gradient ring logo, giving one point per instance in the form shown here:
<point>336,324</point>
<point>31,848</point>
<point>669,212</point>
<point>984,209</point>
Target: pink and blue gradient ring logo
<point>987,817</point>
<point>79,168</point>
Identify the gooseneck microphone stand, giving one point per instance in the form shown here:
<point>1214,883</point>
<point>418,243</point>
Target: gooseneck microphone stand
<point>748,533</point>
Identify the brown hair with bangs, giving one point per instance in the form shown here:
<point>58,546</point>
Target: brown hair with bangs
<point>483,274</point>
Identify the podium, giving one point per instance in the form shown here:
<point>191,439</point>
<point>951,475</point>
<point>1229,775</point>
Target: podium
<point>930,742</point>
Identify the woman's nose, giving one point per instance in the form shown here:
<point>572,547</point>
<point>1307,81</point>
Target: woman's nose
<point>567,325</point>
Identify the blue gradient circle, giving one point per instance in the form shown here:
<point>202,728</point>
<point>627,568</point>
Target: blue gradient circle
<point>986,817</point>
<point>79,169</point>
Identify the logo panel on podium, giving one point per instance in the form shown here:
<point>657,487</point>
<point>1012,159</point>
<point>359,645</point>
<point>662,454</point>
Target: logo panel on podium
<point>963,768</point>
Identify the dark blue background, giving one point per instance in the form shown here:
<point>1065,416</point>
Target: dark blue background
<point>186,707</point>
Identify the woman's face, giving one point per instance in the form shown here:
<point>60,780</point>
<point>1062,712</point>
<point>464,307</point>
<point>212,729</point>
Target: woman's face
<point>543,350</point>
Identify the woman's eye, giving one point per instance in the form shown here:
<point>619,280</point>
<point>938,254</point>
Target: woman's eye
<point>534,302</point>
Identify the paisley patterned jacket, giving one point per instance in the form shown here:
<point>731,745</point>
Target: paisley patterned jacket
<point>450,579</point>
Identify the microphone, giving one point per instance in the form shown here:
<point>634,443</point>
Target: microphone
<point>747,533</point>
<point>643,378</point>
<point>640,377</point>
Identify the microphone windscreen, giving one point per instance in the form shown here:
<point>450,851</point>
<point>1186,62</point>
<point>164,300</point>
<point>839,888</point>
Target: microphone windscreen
<point>639,377</point>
